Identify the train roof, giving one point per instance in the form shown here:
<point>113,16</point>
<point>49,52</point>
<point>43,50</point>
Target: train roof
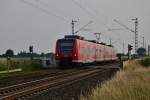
<point>71,37</point>
<point>74,37</point>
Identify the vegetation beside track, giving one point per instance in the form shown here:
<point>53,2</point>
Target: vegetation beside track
<point>132,83</point>
<point>146,62</point>
<point>25,66</point>
<point>124,58</point>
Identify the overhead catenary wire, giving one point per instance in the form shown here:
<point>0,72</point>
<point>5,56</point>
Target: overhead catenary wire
<point>88,12</point>
<point>84,9</point>
<point>84,26</point>
<point>57,15</point>
<point>45,10</point>
<point>96,11</point>
<point>47,5</point>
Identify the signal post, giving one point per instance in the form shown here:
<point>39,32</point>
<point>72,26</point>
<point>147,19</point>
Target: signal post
<point>130,47</point>
<point>31,52</point>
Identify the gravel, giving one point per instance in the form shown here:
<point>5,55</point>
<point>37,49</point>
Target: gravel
<point>73,91</point>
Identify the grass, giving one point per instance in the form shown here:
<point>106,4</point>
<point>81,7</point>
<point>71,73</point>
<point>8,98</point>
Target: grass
<point>11,64</point>
<point>132,83</point>
<point>26,66</point>
<point>3,65</point>
<point>124,58</point>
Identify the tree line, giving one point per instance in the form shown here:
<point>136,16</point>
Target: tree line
<point>10,53</point>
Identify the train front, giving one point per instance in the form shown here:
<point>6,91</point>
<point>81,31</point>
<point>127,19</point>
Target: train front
<point>64,51</point>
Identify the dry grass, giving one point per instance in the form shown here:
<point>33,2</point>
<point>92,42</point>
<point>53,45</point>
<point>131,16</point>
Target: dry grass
<point>132,83</point>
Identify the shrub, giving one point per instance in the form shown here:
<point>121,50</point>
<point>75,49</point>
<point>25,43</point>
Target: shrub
<point>146,62</point>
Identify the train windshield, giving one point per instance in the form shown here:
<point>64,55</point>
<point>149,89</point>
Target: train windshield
<point>66,46</point>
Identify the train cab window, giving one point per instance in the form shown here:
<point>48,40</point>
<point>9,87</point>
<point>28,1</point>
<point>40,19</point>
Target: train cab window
<point>66,46</point>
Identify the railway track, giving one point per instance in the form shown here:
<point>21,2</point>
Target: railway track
<point>27,89</point>
<point>12,80</point>
<point>12,88</point>
<point>52,81</point>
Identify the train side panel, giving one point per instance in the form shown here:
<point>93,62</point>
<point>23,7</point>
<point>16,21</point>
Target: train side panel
<point>86,51</point>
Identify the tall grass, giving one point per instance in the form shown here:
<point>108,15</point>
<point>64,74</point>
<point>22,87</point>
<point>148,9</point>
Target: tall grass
<point>3,65</point>
<point>133,83</point>
<point>24,65</point>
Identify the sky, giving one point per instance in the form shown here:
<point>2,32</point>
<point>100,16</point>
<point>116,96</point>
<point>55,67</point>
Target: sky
<point>41,22</point>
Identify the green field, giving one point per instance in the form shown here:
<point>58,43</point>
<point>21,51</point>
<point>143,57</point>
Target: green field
<point>25,65</point>
<point>132,83</point>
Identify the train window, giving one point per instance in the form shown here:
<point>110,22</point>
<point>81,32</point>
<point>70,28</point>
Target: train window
<point>66,46</point>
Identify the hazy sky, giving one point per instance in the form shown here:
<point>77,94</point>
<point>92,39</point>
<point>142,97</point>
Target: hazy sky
<point>41,22</point>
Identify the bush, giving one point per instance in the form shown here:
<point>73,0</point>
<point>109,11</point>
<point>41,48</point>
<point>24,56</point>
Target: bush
<point>146,62</point>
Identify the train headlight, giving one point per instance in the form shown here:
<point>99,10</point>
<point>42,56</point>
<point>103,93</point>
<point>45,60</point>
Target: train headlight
<point>75,54</point>
<point>57,55</point>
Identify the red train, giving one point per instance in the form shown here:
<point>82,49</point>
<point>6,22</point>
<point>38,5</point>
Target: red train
<point>73,49</point>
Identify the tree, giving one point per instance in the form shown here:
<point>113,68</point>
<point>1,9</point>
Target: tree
<point>141,51</point>
<point>27,54</point>
<point>49,54</point>
<point>9,53</point>
<point>42,54</point>
<point>23,54</point>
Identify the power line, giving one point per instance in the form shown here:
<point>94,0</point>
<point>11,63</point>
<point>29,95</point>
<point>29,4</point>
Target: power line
<point>84,26</point>
<point>80,6</point>
<point>44,10</point>
<point>136,31</point>
<point>46,4</point>
<point>102,14</point>
<point>94,10</point>
<point>88,12</point>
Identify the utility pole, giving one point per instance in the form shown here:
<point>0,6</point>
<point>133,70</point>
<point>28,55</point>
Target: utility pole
<point>73,22</point>
<point>97,36</point>
<point>136,34</point>
<point>134,31</point>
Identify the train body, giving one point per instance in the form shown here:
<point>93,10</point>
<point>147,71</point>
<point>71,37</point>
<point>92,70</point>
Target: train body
<point>76,50</point>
